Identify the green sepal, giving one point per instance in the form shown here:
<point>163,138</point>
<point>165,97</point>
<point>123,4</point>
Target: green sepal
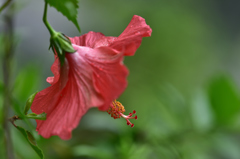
<point>41,116</point>
<point>59,40</point>
<point>60,53</point>
<point>31,140</point>
<point>56,47</point>
<point>65,43</point>
<point>29,103</point>
<point>61,44</point>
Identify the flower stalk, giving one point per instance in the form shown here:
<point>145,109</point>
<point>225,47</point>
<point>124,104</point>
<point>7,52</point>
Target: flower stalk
<point>49,27</point>
<point>58,41</point>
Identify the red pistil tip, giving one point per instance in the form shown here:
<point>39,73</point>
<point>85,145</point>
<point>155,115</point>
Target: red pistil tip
<point>116,110</point>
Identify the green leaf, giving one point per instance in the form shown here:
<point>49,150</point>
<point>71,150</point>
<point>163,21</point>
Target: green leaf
<point>31,141</point>
<point>41,116</point>
<point>26,82</point>
<point>224,99</point>
<point>29,103</point>
<point>68,8</point>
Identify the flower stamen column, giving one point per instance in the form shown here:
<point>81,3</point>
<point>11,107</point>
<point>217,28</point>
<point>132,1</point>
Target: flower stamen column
<point>117,109</point>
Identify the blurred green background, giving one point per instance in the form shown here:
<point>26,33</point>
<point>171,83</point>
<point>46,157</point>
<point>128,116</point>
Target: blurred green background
<point>183,83</point>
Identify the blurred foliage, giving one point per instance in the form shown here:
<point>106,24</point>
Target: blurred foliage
<point>187,108</point>
<point>26,82</point>
<point>225,100</point>
<point>1,121</point>
<point>1,100</point>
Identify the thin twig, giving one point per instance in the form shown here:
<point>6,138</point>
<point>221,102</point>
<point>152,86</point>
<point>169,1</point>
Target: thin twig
<point>13,119</point>
<point>5,5</point>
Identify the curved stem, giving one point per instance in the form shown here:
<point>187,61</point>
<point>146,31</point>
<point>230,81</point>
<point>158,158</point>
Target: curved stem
<point>49,27</point>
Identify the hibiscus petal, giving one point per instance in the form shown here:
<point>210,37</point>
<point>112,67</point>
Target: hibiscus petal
<point>55,99</point>
<point>56,72</point>
<point>109,74</point>
<point>71,104</point>
<point>131,37</point>
<point>88,39</point>
<point>65,104</point>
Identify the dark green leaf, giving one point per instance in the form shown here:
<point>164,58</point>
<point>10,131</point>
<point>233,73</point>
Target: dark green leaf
<point>29,103</point>
<point>68,8</point>
<point>224,99</point>
<point>41,116</point>
<point>31,141</point>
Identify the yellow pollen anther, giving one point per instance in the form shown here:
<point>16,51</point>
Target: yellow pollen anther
<point>116,110</point>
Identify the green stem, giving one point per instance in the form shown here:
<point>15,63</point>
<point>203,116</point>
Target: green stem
<point>49,27</point>
<point>4,5</point>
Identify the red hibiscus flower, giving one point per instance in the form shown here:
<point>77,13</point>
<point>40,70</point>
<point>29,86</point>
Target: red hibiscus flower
<point>93,76</point>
